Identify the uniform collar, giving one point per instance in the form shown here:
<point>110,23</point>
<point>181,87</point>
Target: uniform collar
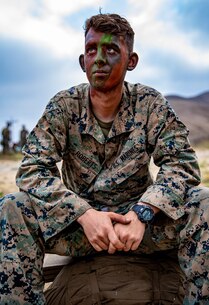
<point>123,122</point>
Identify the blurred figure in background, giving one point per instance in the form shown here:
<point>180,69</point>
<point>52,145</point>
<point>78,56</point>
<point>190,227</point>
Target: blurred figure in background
<point>6,138</point>
<point>23,136</point>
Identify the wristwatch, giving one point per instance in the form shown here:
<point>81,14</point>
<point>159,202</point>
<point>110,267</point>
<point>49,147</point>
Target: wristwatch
<point>144,212</point>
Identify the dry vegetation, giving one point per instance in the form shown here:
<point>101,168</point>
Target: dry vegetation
<point>203,154</point>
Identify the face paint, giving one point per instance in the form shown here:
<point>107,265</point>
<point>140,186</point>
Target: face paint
<point>105,40</point>
<point>106,59</point>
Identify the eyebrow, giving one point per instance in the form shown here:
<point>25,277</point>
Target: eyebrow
<point>111,43</point>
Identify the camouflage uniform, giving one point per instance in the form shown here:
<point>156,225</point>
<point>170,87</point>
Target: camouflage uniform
<point>104,173</point>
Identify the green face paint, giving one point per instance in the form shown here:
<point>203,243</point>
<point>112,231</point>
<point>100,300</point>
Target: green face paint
<point>106,59</point>
<point>105,40</point>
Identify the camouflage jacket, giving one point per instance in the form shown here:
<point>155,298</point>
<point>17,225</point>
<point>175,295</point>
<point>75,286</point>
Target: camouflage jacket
<point>108,172</point>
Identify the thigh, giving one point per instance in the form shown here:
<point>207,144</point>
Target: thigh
<point>196,214</point>
<point>21,252</point>
<point>19,227</point>
<point>166,233</point>
<point>70,242</point>
<point>194,243</point>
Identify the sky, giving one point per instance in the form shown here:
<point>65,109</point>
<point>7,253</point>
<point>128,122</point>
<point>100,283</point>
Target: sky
<point>41,40</point>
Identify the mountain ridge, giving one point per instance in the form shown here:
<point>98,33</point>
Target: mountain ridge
<point>202,97</point>
<point>194,113</point>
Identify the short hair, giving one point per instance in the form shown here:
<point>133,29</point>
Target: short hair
<point>111,23</point>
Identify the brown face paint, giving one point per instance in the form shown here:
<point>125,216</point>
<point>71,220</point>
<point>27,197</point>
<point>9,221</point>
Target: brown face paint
<point>106,59</point>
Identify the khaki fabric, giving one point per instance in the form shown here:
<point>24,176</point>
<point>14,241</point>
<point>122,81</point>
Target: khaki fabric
<point>119,280</point>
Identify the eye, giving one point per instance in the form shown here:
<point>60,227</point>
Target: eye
<point>111,51</point>
<point>91,50</point>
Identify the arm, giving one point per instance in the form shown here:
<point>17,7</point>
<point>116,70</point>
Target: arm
<point>178,167</point>
<point>55,206</point>
<point>168,144</point>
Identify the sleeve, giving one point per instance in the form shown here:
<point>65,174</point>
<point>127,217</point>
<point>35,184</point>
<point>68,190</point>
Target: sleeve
<point>56,207</point>
<point>171,151</point>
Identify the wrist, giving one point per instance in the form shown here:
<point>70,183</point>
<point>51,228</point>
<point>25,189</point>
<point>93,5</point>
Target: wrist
<point>83,216</point>
<point>144,212</point>
<point>154,208</point>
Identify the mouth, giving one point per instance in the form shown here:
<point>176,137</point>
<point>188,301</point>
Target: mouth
<point>100,73</point>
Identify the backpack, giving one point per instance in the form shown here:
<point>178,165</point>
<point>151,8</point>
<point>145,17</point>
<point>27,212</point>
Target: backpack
<point>154,279</point>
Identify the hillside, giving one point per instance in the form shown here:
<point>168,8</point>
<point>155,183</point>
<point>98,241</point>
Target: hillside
<point>194,112</point>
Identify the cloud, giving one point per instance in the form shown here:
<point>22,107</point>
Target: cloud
<point>40,41</point>
<point>29,78</point>
<point>157,29</point>
<point>41,23</point>
<point>64,7</point>
<point>168,35</point>
<point>170,40</point>
<point>193,16</point>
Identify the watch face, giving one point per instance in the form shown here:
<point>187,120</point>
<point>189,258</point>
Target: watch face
<point>147,214</point>
<point>144,213</point>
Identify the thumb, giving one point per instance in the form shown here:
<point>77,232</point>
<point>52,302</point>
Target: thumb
<point>119,218</point>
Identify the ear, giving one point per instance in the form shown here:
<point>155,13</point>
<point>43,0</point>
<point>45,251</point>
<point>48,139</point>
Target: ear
<point>81,62</point>
<point>133,60</point>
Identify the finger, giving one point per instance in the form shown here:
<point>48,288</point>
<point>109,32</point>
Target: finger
<point>111,249</point>
<point>135,245</point>
<point>128,245</point>
<point>100,242</point>
<point>97,247</point>
<point>114,240</point>
<point>102,245</point>
<point>119,218</point>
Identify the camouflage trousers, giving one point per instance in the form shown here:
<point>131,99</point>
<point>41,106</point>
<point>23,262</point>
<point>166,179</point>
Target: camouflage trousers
<point>23,247</point>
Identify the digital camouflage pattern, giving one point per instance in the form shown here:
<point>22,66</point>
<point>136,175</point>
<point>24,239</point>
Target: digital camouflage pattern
<point>105,173</point>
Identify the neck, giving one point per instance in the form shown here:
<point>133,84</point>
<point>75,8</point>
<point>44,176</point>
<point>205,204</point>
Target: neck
<point>105,105</point>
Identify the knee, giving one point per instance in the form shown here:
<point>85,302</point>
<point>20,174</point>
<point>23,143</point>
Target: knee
<point>198,198</point>
<point>196,194</point>
<point>13,202</point>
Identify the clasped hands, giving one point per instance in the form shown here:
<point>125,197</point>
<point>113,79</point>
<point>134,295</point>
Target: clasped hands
<point>111,231</point>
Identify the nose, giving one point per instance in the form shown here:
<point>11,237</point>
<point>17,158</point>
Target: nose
<point>100,58</point>
<point>100,61</point>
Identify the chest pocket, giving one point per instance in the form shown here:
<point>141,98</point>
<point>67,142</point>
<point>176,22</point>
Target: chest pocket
<point>128,165</point>
<point>81,165</point>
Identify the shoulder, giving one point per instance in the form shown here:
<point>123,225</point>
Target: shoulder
<point>70,95</point>
<point>68,100</point>
<point>145,95</point>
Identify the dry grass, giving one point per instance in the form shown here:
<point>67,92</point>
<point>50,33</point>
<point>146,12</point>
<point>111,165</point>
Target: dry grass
<point>11,157</point>
<point>203,155</point>
<point>204,166</point>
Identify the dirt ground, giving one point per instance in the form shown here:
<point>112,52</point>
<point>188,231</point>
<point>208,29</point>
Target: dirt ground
<point>8,170</point>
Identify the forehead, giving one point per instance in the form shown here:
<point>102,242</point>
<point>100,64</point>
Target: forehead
<point>103,38</point>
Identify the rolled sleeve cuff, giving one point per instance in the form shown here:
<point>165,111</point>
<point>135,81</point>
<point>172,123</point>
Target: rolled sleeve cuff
<point>61,216</point>
<point>164,199</point>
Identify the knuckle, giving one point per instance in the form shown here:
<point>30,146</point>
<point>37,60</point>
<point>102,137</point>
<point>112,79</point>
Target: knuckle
<point>94,239</point>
